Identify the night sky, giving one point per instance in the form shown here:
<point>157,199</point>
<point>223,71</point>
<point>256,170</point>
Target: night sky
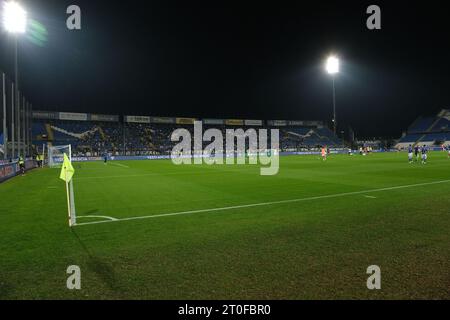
<point>224,59</point>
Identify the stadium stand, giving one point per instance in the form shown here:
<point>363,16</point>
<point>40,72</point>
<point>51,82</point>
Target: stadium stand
<point>142,136</point>
<point>422,125</point>
<point>428,131</point>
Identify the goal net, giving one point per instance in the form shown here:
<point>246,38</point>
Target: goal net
<point>56,155</point>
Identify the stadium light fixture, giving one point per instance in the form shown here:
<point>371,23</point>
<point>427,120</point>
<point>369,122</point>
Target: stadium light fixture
<point>332,65</point>
<point>14,17</point>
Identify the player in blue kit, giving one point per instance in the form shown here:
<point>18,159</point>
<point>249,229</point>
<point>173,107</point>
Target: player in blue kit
<point>416,152</point>
<point>424,154</point>
<point>410,154</point>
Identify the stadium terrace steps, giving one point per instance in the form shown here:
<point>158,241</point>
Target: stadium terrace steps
<point>440,125</point>
<point>102,133</point>
<point>295,134</point>
<point>49,130</point>
<point>302,132</point>
<point>311,137</point>
<point>433,124</point>
<point>422,125</point>
<point>75,135</point>
<point>420,139</point>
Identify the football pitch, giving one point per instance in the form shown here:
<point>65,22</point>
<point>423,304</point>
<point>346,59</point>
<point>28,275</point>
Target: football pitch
<point>154,230</point>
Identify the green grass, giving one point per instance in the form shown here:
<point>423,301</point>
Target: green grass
<point>315,249</point>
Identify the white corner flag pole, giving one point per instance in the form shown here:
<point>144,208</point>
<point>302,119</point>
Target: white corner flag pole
<point>73,214</point>
<point>68,200</point>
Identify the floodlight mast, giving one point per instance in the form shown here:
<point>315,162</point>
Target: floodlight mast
<point>332,67</point>
<point>15,22</point>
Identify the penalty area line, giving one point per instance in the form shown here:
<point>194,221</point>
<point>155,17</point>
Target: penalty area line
<point>260,204</point>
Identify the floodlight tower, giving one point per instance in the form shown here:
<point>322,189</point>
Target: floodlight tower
<point>332,67</point>
<point>15,22</point>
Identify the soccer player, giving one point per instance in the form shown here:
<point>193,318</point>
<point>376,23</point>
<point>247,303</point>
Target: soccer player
<point>424,154</point>
<point>105,157</point>
<point>448,151</point>
<point>416,152</point>
<point>324,153</point>
<point>410,154</point>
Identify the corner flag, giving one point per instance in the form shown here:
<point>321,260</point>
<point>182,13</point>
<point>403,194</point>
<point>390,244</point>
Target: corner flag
<point>67,170</point>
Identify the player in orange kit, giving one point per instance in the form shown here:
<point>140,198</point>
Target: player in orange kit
<point>324,153</point>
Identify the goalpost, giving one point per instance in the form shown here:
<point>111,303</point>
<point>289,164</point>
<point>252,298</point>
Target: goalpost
<point>55,160</point>
<point>55,155</point>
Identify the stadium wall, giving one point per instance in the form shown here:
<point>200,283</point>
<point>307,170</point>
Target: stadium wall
<point>9,170</point>
<point>167,156</point>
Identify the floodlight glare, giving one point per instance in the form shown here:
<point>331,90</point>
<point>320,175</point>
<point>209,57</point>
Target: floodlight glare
<point>14,17</point>
<point>332,65</point>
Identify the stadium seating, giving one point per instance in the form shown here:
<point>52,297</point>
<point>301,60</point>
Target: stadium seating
<point>428,130</point>
<point>438,137</point>
<point>96,137</point>
<point>442,125</point>
<point>410,138</point>
<point>422,125</point>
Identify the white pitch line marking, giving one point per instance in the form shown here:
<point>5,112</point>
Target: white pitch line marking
<point>104,217</point>
<point>119,164</point>
<point>268,203</point>
<point>370,197</point>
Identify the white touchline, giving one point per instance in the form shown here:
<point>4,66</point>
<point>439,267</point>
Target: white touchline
<point>119,164</point>
<point>266,203</point>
